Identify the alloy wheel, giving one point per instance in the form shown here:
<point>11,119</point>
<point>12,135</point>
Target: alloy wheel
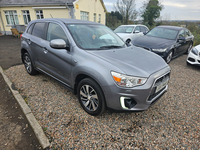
<point>27,63</point>
<point>89,97</point>
<point>169,57</point>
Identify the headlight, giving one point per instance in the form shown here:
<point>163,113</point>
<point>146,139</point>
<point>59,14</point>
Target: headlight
<point>127,81</point>
<point>195,51</point>
<point>160,50</point>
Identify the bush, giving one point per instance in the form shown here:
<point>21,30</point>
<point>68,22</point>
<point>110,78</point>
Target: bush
<point>196,38</point>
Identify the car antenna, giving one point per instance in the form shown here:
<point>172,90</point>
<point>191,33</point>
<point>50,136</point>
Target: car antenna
<point>51,16</point>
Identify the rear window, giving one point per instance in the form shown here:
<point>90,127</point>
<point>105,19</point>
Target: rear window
<point>38,30</point>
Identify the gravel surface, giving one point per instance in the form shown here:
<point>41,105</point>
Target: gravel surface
<point>172,123</point>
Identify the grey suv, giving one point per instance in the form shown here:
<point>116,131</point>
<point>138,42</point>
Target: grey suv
<point>92,61</point>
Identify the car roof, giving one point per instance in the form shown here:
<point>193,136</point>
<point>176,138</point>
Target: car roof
<point>64,20</point>
<point>171,27</point>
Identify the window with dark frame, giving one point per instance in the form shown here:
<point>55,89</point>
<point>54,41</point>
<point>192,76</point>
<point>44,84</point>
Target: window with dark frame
<point>26,16</point>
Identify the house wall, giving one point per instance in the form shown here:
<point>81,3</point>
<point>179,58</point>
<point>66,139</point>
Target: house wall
<point>56,13</point>
<point>1,24</point>
<point>91,6</point>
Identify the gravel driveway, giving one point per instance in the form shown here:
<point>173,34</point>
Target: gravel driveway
<point>172,123</point>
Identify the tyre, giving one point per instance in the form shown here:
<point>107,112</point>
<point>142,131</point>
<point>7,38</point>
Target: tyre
<point>28,64</point>
<point>91,97</point>
<point>189,49</point>
<point>169,57</point>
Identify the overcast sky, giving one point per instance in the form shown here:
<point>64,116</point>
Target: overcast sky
<point>173,9</point>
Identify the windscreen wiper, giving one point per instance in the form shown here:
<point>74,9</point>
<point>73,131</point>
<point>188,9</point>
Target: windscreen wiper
<point>110,47</point>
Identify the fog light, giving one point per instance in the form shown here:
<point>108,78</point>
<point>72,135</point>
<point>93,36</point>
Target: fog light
<point>127,102</point>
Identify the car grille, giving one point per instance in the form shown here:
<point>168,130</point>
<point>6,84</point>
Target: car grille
<point>158,82</point>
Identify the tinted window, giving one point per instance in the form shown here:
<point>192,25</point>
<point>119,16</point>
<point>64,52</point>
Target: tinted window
<point>39,29</point>
<point>187,33</point>
<point>181,34</point>
<point>29,31</point>
<point>55,32</point>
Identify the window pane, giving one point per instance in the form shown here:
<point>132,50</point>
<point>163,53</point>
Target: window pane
<point>38,30</point>
<point>16,19</point>
<point>7,19</point>
<point>55,32</point>
<point>30,29</point>
<point>25,19</point>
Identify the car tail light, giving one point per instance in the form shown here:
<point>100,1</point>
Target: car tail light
<point>20,36</point>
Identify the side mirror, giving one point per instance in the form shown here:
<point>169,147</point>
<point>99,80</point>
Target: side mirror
<point>137,31</point>
<point>181,39</point>
<point>58,44</point>
<point>145,32</point>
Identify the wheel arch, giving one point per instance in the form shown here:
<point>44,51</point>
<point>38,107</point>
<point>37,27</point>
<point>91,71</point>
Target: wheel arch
<point>23,51</point>
<point>82,76</point>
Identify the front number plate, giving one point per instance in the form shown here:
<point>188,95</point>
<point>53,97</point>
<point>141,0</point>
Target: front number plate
<point>161,86</point>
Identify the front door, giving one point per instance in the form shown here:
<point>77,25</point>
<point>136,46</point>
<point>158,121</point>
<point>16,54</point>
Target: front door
<point>58,61</point>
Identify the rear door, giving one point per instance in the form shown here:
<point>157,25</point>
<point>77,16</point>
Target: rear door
<point>181,44</point>
<point>36,40</point>
<point>188,38</point>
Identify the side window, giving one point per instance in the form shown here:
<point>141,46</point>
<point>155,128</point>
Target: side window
<point>146,30</point>
<point>142,29</point>
<point>187,33</point>
<point>55,32</point>
<point>181,34</point>
<point>137,29</point>
<point>29,31</point>
<point>38,30</point>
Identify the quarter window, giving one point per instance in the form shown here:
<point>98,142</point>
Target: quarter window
<point>55,32</point>
<point>26,16</point>
<point>39,14</point>
<point>84,15</point>
<point>11,17</point>
<point>38,30</point>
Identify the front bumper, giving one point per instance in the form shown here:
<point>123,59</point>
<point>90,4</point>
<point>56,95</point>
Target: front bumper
<point>143,96</point>
<point>193,59</point>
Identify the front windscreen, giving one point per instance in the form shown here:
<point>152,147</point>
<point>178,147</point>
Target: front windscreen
<point>94,37</point>
<point>163,33</point>
<point>124,29</point>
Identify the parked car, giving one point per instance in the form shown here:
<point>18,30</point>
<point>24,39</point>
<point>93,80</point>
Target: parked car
<point>166,41</point>
<point>130,32</point>
<point>194,56</point>
<point>92,61</point>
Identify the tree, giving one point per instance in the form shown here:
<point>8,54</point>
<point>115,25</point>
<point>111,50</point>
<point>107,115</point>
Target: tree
<point>113,19</point>
<point>127,9</point>
<point>150,11</point>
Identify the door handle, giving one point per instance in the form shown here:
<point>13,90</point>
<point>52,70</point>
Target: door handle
<point>45,50</point>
